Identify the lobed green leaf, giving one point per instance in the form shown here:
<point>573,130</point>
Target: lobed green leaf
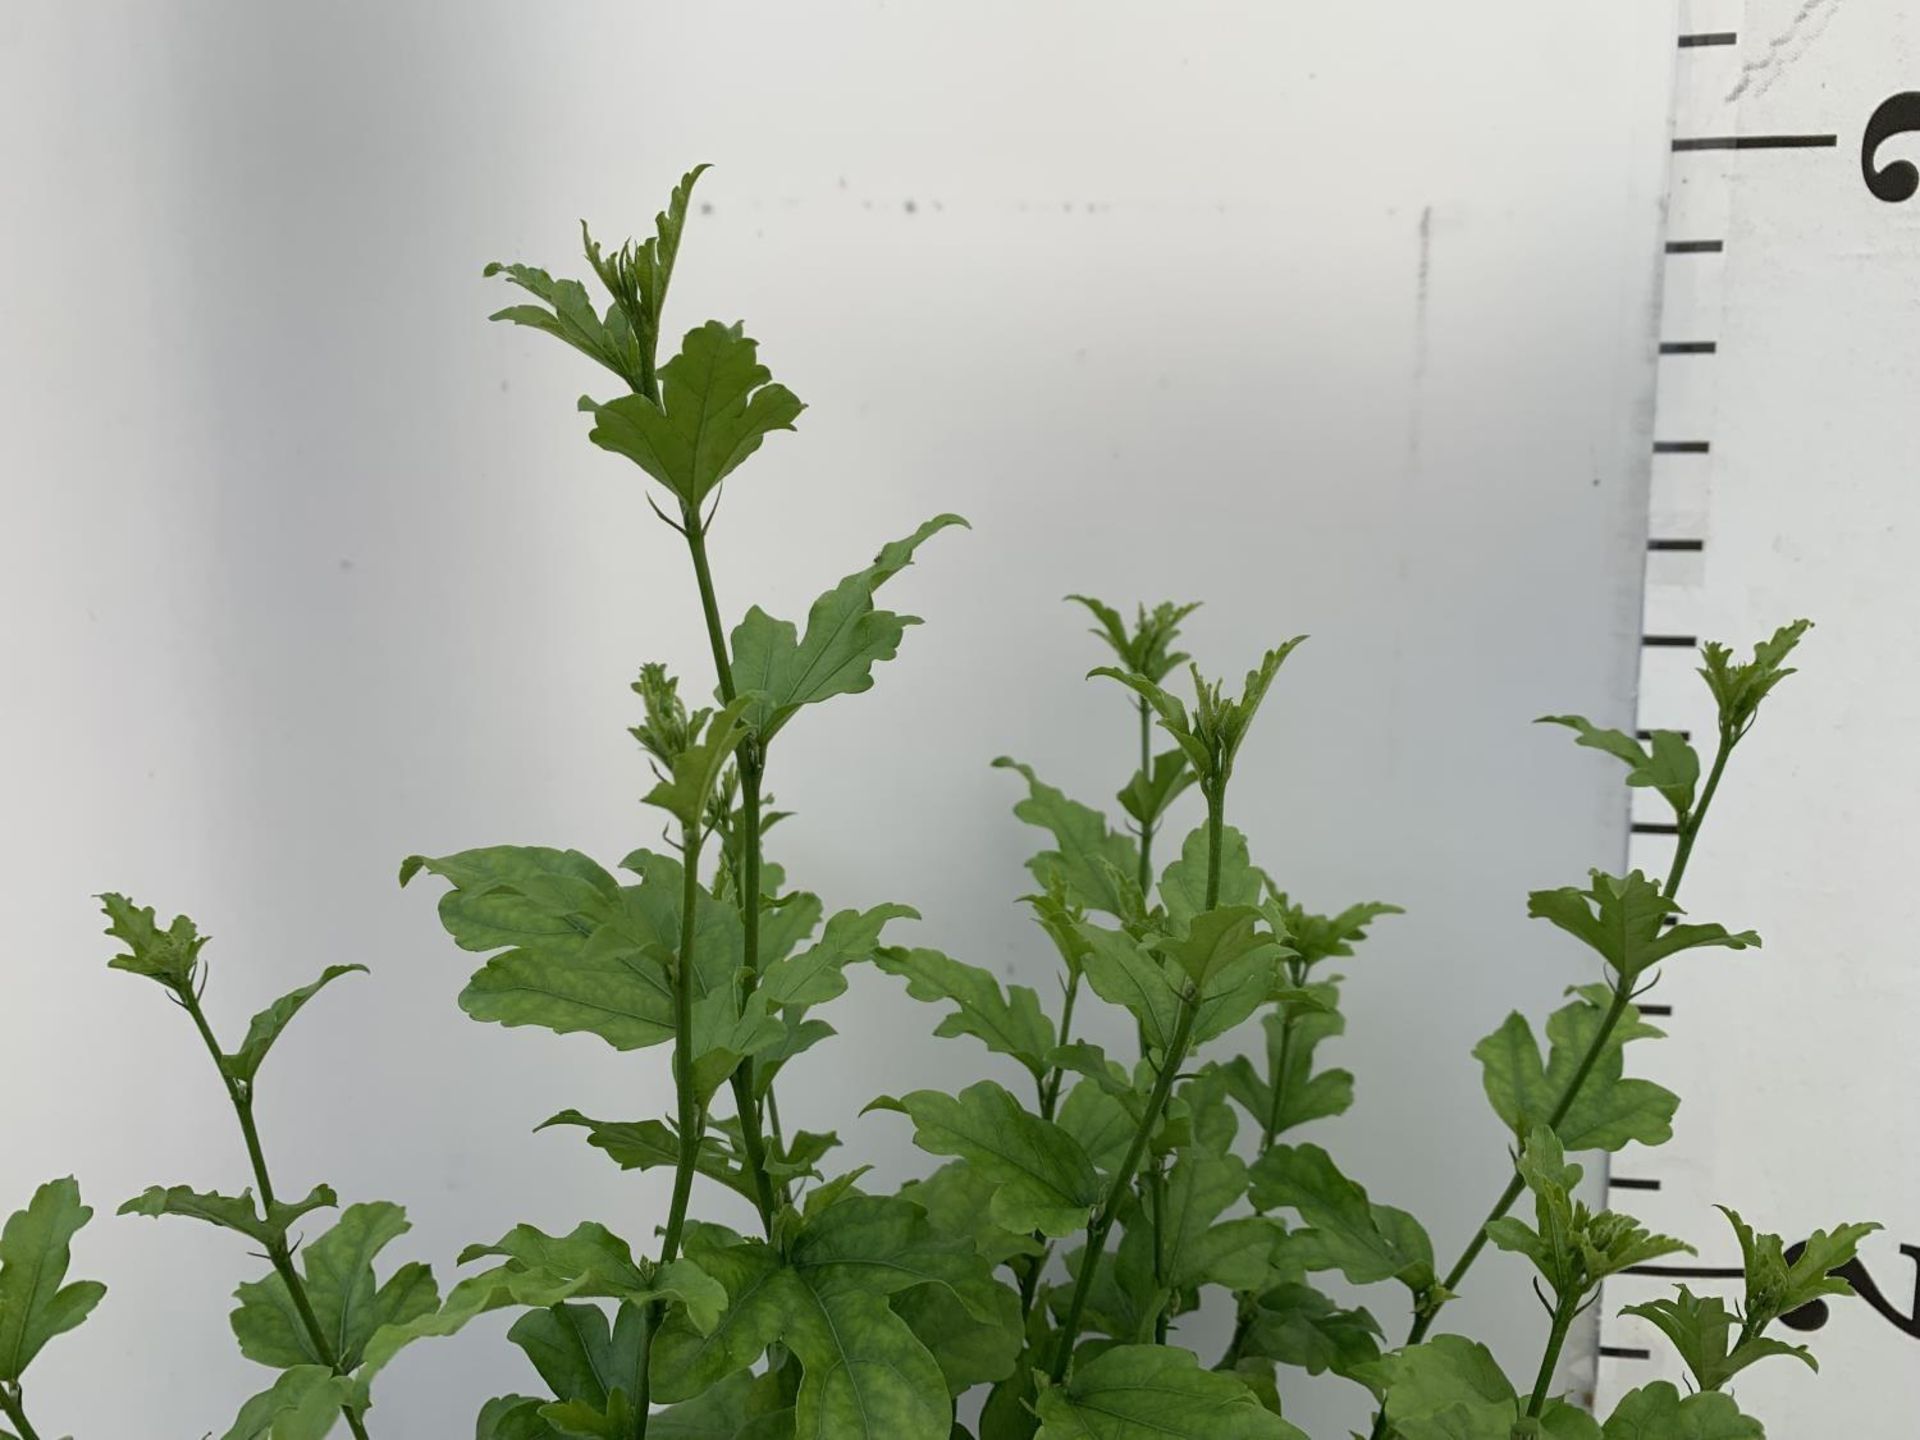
<point>781,670</point>
<point>1139,1390</point>
<point>35,1250</point>
<point>717,404</point>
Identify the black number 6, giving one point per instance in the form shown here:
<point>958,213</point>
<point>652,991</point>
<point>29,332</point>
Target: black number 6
<point>1899,179</point>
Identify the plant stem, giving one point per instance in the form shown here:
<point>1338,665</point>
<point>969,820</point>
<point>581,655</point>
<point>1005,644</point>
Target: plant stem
<point>240,1095</point>
<point>1050,1087</point>
<point>13,1406</point>
<point>1216,825</point>
<point>745,1101</point>
<point>752,768</point>
<point>1690,825</point>
<point>1563,1314</point>
<point>1278,1083</point>
<point>1157,1195</point>
<point>690,1120</point>
<point>709,606</point>
<point>1146,769</point>
<point>1095,1249</point>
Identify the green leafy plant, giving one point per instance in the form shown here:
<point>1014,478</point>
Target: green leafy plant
<point>1039,1279</point>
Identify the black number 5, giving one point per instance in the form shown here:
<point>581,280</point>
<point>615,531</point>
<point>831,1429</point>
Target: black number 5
<point>1898,179</point>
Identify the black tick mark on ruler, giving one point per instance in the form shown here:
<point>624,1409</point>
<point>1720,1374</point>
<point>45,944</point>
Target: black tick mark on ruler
<point>1683,144</point>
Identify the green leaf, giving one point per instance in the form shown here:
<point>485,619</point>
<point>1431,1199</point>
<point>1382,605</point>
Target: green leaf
<point>1572,1247</point>
<point>1296,1325</point>
<point>1183,884</point>
<point>569,315</point>
<point>1211,737</point>
<point>817,974</point>
<point>637,275</point>
<point>1098,1121</point>
<point>1625,920</point>
<point>1146,648</point>
<point>587,954</point>
<point>1669,765</point>
<point>541,1270</point>
<point>1702,1331</point>
<point>846,637</point>
<point>1365,1242</point>
<point>1151,793</point>
<point>970,1350</point>
<point>244,1063</point>
<point>1009,1022</point>
<point>231,1212</point>
<point>303,1404</point>
<point>725,1033</point>
<point>1450,1389</point>
<point>1124,973</point>
<point>1134,1391</point>
<point>717,404</point>
<point>170,956</point>
<point>1324,937</point>
<point>865,1375</point>
<point>1774,1287</point>
<point>1223,941</point>
<point>958,1199</point>
<point>34,1253</point>
<point>347,1299</point>
<point>582,1358</point>
<point>1739,689</point>
<point>722,1413</point>
<point>1608,1112</point>
<point>1046,1181</point>
<point>516,1417</point>
<point>1092,862</point>
<point>1196,1247</point>
<point>652,1144</point>
<point>1231,968</point>
<point>1658,1412</point>
<point>698,766</point>
<point>1304,1094</point>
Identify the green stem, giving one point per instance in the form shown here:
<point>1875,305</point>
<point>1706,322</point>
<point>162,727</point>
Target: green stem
<point>240,1095</point>
<point>745,1101</point>
<point>1216,824</point>
<point>1157,1194</point>
<point>1242,1323</point>
<point>709,606</point>
<point>1050,1087</point>
<point>1562,1320</point>
<point>1278,1083</point>
<point>1095,1249</point>
<point>1690,825</point>
<point>1146,826</point>
<point>752,767</point>
<point>1049,1105</point>
<point>689,1120</point>
<point>13,1406</point>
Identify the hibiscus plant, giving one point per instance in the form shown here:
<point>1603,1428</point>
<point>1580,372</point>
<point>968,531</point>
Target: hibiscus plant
<point>1041,1278</point>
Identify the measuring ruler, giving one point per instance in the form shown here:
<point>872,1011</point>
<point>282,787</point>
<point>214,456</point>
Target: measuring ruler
<point>1785,481</point>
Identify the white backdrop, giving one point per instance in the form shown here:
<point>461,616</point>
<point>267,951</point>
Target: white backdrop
<point>1339,319</point>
